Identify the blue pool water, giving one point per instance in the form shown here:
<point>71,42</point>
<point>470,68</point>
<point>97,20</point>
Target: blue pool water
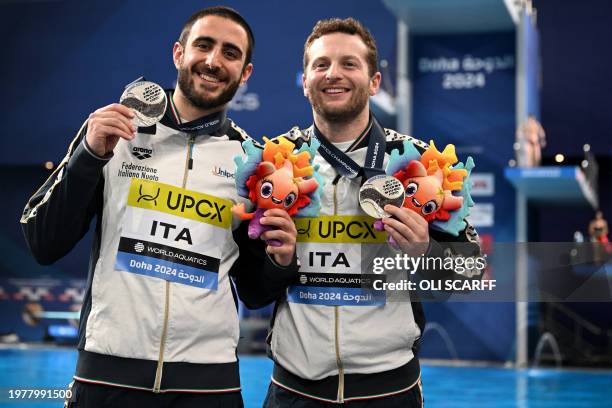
<point>459,387</point>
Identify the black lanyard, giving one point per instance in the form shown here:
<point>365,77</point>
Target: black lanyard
<point>346,166</point>
<point>206,125</point>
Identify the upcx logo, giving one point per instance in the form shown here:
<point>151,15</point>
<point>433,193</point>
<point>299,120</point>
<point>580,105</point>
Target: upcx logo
<point>148,197</point>
<point>177,201</point>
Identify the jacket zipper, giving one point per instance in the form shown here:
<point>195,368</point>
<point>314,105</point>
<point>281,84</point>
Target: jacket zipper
<point>162,342</point>
<point>340,396</point>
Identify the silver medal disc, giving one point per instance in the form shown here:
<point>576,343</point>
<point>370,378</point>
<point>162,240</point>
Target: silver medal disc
<point>379,191</point>
<point>147,100</point>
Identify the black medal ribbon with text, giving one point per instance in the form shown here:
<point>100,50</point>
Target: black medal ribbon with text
<point>346,166</point>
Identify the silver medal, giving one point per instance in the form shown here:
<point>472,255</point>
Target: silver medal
<point>147,100</point>
<point>379,191</point>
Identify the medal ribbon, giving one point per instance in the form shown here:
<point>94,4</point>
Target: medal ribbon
<point>346,166</point>
<point>206,125</point>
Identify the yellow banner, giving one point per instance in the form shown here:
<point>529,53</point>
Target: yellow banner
<point>341,229</point>
<point>169,199</point>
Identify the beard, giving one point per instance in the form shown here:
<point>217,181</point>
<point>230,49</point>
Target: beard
<point>200,98</point>
<point>340,114</point>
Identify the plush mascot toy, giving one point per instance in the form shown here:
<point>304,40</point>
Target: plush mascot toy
<point>437,187</point>
<point>277,177</point>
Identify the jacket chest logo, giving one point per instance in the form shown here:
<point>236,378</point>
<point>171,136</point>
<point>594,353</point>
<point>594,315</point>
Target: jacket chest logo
<point>142,153</point>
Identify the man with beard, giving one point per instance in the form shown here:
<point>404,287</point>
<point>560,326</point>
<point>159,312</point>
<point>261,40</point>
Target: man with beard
<point>159,324</point>
<point>329,343</point>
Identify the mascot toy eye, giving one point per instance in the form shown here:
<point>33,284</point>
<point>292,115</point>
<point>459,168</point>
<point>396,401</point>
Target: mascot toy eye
<point>277,188</point>
<point>276,177</point>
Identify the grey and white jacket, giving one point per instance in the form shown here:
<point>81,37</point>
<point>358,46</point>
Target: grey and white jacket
<point>331,344</point>
<point>160,312</point>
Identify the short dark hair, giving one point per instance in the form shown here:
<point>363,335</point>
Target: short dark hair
<point>224,12</point>
<point>346,26</point>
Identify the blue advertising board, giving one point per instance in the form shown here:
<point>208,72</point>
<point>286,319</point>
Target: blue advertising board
<point>464,94</point>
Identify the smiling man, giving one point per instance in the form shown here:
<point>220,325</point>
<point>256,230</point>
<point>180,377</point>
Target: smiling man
<point>202,85</point>
<point>329,342</point>
<point>159,323</point>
